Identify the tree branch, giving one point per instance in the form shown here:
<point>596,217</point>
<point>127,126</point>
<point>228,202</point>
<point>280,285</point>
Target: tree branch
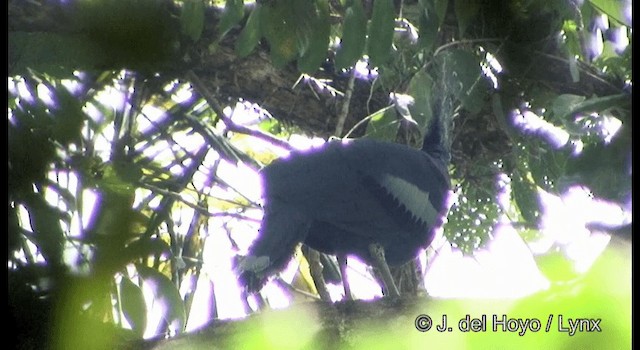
<point>231,125</point>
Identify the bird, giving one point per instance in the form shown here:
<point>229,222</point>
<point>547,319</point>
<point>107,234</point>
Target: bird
<point>377,200</point>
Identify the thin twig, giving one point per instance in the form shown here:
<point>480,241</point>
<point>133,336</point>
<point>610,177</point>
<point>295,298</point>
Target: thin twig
<point>582,68</point>
<point>196,207</point>
<point>344,112</point>
<point>364,120</point>
<point>463,42</point>
<point>231,125</point>
<point>282,283</point>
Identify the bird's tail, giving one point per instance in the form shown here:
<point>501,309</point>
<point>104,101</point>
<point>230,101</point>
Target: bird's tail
<point>437,139</point>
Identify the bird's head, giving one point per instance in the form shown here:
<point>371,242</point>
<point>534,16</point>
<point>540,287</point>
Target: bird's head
<point>251,271</point>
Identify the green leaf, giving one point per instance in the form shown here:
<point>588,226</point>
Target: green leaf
<point>526,198</point>
<point>463,77</point>
<point>354,33</point>
<point>466,11</point>
<point>316,52</point>
<point>619,66</point>
<point>278,26</point>
<point>55,54</point>
<point>383,124</point>
<point>564,104</point>
<point>567,105</point>
<point>420,88</point>
<point>471,219</point>
<point>133,305</point>
<point>381,32</point>
<point>127,171</point>
<point>144,247</point>
<point>192,19</point>
<point>612,8</point>
<point>440,7</point>
<point>112,179</point>
<point>233,13</point>
<point>140,35</point>
<point>556,267</point>
<point>574,70</point>
<point>428,29</point>
<point>303,18</point>
<point>547,165</point>
<point>251,34</point>
<point>605,169</point>
<point>437,8</point>
<point>580,295</point>
<point>27,165</point>
<point>45,222</point>
<point>573,46</point>
<point>164,291</point>
<point>69,117</point>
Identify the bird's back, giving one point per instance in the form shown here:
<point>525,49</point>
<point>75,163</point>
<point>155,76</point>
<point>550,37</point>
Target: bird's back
<point>360,192</point>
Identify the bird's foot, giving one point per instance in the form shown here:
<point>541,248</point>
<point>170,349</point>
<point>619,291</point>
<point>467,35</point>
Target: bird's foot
<point>377,252</point>
<point>315,268</point>
<point>250,270</point>
<point>342,263</point>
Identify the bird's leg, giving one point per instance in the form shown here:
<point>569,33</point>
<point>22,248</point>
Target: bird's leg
<point>315,268</point>
<point>377,252</point>
<point>342,262</point>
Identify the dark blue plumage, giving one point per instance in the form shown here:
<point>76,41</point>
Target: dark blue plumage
<point>347,195</point>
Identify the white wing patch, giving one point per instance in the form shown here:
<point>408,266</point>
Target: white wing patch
<point>412,197</point>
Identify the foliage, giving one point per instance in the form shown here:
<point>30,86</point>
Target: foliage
<point>393,324</point>
<point>118,167</point>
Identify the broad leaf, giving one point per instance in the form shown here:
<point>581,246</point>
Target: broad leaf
<point>164,291</point>
<point>354,34</point>
<point>316,52</point>
<point>463,77</point>
<point>192,19</point>
<point>278,25</point>
<point>144,247</point>
<point>383,124</point>
<point>440,7</point>
<point>420,88</point>
<point>525,195</point>
<point>56,54</point>
<point>565,106</point>
<point>428,29</point>
<point>233,13</point>
<point>251,34</point>
<point>133,305</point>
<point>381,32</point>
<point>616,9</point>
<point>466,11</point>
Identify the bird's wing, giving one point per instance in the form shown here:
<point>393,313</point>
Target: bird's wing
<point>362,185</point>
<point>414,179</point>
